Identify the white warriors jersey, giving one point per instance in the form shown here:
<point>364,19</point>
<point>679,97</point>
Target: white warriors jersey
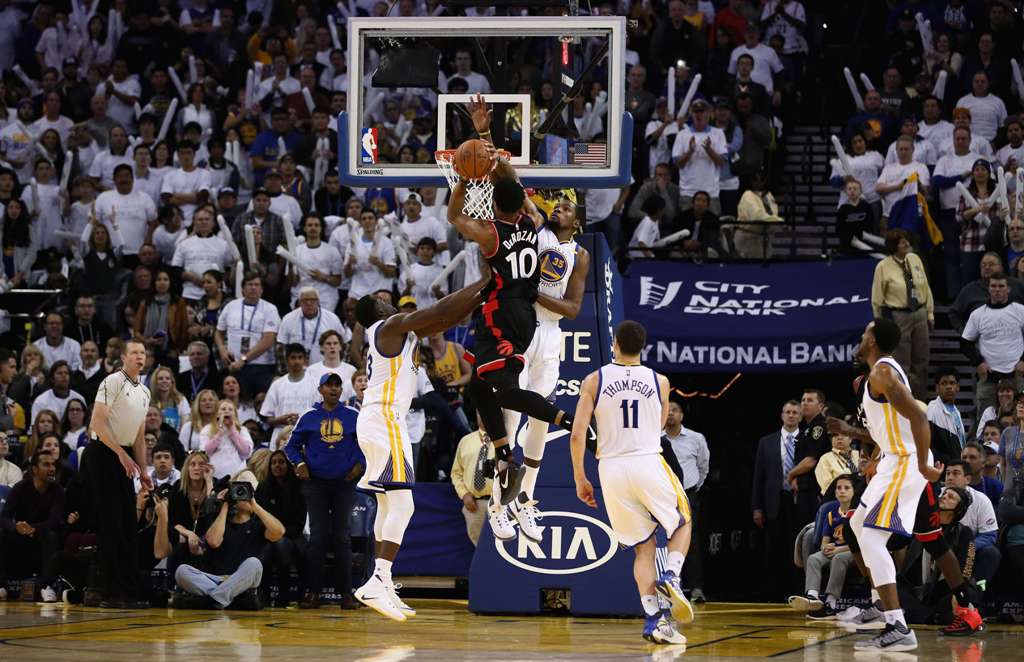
<point>888,428</point>
<point>391,380</point>
<point>628,411</point>
<point>557,259</point>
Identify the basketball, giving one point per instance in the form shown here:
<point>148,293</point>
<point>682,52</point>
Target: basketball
<point>473,160</point>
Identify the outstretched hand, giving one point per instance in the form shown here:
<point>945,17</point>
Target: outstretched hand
<point>480,114</point>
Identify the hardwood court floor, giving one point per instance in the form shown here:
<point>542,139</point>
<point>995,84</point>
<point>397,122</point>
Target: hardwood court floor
<point>444,630</point>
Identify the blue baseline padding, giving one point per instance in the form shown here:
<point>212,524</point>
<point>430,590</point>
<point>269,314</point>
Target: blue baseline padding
<point>435,543</point>
<point>621,178</point>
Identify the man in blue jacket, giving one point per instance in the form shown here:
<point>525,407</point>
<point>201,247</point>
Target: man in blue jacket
<point>327,459</point>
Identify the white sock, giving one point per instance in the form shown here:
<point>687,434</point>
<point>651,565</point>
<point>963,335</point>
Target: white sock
<point>675,562</point>
<point>382,568</point>
<point>894,617</point>
<point>529,480</point>
<point>874,596</point>
<point>650,604</point>
<point>812,593</point>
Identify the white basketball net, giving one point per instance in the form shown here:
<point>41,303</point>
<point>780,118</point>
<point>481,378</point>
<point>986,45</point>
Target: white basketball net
<point>478,202</point>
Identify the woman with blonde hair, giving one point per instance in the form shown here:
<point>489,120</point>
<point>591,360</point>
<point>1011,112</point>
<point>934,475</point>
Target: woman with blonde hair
<point>259,463</point>
<point>226,441</point>
<point>185,508</point>
<point>31,379</point>
<point>204,410</point>
<point>172,405</point>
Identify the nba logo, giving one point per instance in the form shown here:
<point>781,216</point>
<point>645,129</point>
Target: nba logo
<point>368,153</point>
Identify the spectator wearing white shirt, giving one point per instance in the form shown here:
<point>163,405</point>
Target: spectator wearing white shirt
<point>894,182</point>
<point>866,166</point>
<point>370,259</point>
<point>691,451</point>
<point>1011,155</point>
<point>105,162</point>
<point>477,83</point>
<point>201,251</point>
<point>147,180</point>
<point>188,186</point>
<point>307,324</point>
<point>52,119</point>
<point>993,339</point>
<point>647,231</point>
<point>197,111</point>
<point>604,207</point>
<point>416,226</point>
<point>330,348</point>
<point>942,410</point>
<point>245,336</point>
<point>766,61</point>
<point>988,112</point>
<point>122,91</point>
<point>169,231</point>
<point>416,418</point>
<point>951,168</point>
<point>281,203</point>
<point>417,280</point>
<point>962,120</point>
<point>290,395</point>
<point>924,151</point>
<point>57,397</point>
<point>55,346</point>
<point>45,203</point>
<point>660,128</point>
<point>324,262</point>
<point>932,127</point>
<point>699,151</point>
<point>126,211</point>
<point>273,91</point>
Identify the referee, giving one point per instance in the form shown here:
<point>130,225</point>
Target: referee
<point>117,427</point>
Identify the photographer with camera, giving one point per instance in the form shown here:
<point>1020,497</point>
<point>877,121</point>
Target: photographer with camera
<point>233,544</point>
<point>327,459</point>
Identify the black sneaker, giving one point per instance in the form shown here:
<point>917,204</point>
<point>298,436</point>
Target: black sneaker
<point>825,613</point>
<point>310,601</point>
<point>510,479</point>
<point>248,601</point>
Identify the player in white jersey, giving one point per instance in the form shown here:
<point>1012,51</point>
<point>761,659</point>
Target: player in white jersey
<point>889,503</point>
<point>391,364</point>
<point>563,275</point>
<point>630,402</point>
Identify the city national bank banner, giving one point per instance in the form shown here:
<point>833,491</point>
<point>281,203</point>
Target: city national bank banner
<point>750,317</point>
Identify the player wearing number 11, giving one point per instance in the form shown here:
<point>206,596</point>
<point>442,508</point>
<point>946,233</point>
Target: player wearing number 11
<point>630,402</point>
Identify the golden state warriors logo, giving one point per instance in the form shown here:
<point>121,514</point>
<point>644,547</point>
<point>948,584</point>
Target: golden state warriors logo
<point>553,266</point>
<point>331,430</point>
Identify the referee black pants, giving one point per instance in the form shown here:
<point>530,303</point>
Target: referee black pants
<point>114,498</point>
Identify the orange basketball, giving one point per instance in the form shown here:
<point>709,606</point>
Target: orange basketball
<point>472,159</point>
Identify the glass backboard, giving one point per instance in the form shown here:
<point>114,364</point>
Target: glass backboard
<point>555,85</point>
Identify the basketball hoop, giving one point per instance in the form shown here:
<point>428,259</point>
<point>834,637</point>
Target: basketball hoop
<point>479,192</point>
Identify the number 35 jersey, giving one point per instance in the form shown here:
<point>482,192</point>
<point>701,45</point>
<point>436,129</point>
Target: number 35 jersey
<point>557,259</point>
<point>628,411</point>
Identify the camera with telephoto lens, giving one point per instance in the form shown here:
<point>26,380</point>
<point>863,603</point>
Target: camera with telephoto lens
<point>240,491</point>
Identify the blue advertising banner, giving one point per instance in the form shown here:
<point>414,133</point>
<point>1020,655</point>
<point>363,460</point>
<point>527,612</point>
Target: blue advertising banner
<point>760,318</point>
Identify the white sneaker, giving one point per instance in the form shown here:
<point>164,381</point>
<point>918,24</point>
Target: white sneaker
<point>848,614</point>
<point>526,513</point>
<point>500,526</point>
<point>393,594</point>
<point>666,632</point>
<point>47,594</point>
<point>374,594</point>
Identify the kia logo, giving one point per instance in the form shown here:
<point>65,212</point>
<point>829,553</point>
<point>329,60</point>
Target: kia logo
<point>568,547</point>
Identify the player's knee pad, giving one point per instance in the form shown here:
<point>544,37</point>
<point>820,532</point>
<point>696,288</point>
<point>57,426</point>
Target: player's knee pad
<point>876,556</point>
<point>857,520</point>
<point>400,509</point>
<point>535,439</point>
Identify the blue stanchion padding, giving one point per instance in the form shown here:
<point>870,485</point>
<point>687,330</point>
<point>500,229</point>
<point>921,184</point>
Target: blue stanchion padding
<point>436,542</point>
<point>579,553</point>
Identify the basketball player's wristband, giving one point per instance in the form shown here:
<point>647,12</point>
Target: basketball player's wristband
<point>485,133</point>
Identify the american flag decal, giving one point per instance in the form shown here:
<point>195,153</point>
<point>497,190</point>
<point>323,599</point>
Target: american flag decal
<point>590,153</point>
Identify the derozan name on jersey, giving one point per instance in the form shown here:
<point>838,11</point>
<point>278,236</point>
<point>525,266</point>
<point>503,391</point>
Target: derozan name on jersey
<point>520,235</point>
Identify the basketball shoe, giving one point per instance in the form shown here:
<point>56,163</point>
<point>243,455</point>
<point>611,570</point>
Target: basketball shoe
<point>668,586</point>
<point>392,589</point>
<point>660,630</point>
<point>524,511</point>
<point>375,595</point>
<point>501,527</point>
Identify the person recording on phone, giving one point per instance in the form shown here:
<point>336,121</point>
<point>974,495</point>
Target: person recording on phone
<point>230,570</point>
<point>117,427</point>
